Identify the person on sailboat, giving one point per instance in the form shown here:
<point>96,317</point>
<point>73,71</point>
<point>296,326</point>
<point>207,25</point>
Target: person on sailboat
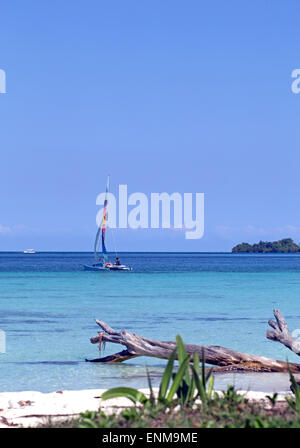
<point>117,263</point>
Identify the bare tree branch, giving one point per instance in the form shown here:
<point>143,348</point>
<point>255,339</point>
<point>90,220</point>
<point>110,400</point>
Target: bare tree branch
<point>281,333</point>
<point>226,359</point>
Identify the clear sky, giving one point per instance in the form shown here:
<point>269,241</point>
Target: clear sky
<point>185,96</point>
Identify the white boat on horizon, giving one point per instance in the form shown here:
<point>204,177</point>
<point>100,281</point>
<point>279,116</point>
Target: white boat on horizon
<point>29,251</point>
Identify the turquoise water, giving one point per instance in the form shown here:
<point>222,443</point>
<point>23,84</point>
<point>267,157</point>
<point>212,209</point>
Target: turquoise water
<point>48,303</point>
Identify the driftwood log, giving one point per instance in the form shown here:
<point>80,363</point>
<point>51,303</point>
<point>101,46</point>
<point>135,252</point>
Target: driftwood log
<point>225,358</point>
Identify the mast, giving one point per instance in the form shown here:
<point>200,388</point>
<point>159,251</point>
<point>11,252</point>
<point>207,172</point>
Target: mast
<point>102,229</point>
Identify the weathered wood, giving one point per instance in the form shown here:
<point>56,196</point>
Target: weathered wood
<point>226,359</point>
<point>117,357</point>
<point>280,333</point>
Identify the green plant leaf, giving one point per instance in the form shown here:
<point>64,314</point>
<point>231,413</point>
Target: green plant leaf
<point>165,381</point>
<point>182,354</point>
<point>210,386</point>
<point>209,373</point>
<point>203,376</point>
<point>152,396</point>
<point>178,378</point>
<point>132,394</point>
<point>191,391</point>
<point>88,423</point>
<point>196,361</point>
<point>291,403</point>
<point>296,390</point>
<point>199,385</point>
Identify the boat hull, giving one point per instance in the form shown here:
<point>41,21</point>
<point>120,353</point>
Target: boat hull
<point>95,268</point>
<point>102,268</point>
<point>120,268</point>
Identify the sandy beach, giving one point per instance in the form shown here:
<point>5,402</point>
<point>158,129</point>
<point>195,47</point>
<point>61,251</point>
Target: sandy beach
<point>32,408</point>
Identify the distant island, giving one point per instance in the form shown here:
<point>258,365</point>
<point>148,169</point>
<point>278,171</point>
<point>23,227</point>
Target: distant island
<point>287,245</point>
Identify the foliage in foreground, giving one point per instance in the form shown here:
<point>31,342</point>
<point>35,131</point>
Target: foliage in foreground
<point>229,410</point>
<point>187,384</point>
<point>186,400</point>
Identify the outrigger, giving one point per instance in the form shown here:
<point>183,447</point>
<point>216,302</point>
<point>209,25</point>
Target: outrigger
<point>105,264</point>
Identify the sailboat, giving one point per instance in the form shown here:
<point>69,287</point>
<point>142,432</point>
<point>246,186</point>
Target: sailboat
<point>104,264</point>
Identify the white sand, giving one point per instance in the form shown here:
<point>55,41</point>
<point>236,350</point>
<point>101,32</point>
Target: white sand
<point>33,408</point>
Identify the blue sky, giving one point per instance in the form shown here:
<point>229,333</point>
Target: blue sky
<point>165,96</point>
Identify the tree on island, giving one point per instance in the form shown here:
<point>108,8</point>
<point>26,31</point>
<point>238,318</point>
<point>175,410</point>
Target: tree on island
<point>286,245</point>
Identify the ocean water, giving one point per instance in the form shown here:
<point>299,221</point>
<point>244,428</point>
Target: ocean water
<point>48,304</point>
